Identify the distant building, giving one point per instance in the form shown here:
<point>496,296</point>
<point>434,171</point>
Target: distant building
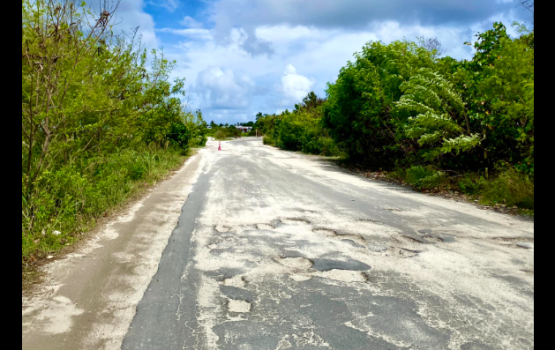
<point>244,128</point>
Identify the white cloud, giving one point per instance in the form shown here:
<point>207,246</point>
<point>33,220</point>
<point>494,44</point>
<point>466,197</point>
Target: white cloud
<point>170,5</point>
<point>303,58</point>
<point>256,17</point>
<point>191,23</point>
<point>189,32</point>
<point>294,86</point>
<point>282,33</point>
<point>222,89</point>
<point>129,15</point>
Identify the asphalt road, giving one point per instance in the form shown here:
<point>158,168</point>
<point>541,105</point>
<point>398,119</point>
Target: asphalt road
<point>279,250</point>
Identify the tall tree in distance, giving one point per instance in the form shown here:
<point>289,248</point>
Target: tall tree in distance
<point>431,44</point>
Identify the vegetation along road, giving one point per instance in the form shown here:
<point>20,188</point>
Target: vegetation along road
<point>253,247</point>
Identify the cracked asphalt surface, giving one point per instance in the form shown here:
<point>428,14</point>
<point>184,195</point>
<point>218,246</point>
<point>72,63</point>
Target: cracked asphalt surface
<point>279,250</point>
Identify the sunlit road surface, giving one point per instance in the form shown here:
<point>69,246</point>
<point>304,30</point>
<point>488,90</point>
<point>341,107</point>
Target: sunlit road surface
<point>280,250</point>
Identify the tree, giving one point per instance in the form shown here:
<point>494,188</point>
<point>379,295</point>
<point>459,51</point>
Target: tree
<point>63,47</point>
<point>438,118</point>
<point>431,44</point>
<point>359,103</point>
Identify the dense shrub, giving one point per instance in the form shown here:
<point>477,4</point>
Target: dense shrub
<point>359,104</point>
<point>512,188</point>
<point>223,133</point>
<point>424,177</point>
<point>299,130</point>
<point>471,183</point>
<point>399,106</point>
<point>97,122</point>
<point>70,198</point>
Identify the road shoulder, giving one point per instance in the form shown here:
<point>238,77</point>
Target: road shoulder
<point>88,298</point>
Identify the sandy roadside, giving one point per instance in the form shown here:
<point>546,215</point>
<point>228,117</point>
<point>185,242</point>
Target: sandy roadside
<point>88,299</point>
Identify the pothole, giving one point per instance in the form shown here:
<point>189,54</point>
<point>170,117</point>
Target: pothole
<point>425,231</point>
<point>408,253</point>
<point>264,227</point>
<point>238,305</point>
<point>299,278</point>
<point>237,293</point>
<point>325,231</point>
<point>526,245</point>
<point>328,265</point>
<point>235,281</point>
<point>352,243</point>
<point>392,209</point>
<point>222,228</point>
<point>294,220</point>
<point>377,248</point>
<point>357,239</point>
<point>222,244</point>
<point>296,262</point>
<point>433,239</point>
<point>370,220</point>
<point>414,238</point>
<point>304,210</point>
<point>344,275</point>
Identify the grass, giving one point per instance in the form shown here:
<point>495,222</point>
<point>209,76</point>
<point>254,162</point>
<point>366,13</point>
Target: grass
<point>70,200</point>
<point>506,187</point>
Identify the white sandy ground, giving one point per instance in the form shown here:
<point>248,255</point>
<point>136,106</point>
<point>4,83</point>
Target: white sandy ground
<point>89,297</point>
<point>89,306</point>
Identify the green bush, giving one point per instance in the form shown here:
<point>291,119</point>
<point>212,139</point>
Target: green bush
<point>223,133</point>
<point>358,110</point>
<point>220,135</point>
<point>424,177</point>
<point>471,184</point>
<point>268,140</point>
<point>512,188</point>
<point>70,198</point>
<point>137,171</point>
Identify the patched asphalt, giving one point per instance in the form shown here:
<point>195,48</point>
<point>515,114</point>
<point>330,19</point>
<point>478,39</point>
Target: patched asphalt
<point>267,257</point>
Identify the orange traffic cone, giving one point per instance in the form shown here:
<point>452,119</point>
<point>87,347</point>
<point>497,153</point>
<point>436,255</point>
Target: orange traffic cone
<point>220,146</point>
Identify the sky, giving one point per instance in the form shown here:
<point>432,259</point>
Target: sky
<point>241,57</point>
